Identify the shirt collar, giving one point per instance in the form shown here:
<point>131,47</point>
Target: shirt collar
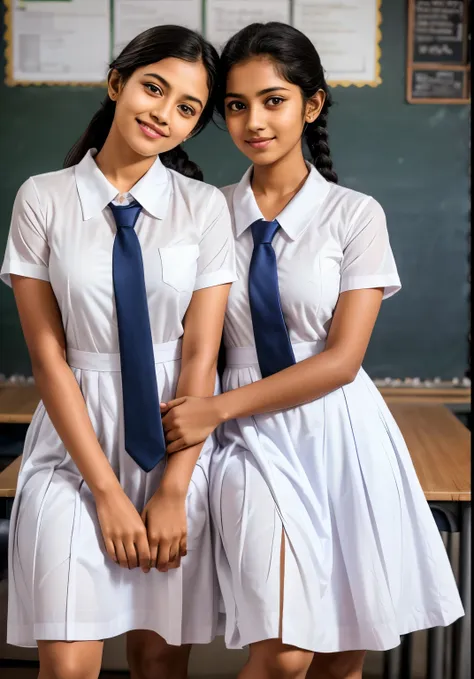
<point>95,191</point>
<point>294,218</point>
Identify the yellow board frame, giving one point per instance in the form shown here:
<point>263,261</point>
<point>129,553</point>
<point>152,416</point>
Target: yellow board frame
<point>378,55</point>
<point>10,81</point>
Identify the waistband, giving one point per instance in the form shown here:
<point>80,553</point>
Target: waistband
<point>239,357</point>
<point>86,360</point>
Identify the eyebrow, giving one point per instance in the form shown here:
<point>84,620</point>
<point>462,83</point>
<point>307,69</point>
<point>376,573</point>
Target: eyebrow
<point>164,82</point>
<point>267,90</point>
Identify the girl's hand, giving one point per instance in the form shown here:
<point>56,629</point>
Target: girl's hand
<point>188,421</point>
<point>165,519</point>
<point>124,534</point>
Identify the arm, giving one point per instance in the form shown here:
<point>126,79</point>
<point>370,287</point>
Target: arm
<point>339,363</point>
<point>191,420</point>
<point>202,337</point>
<point>42,327</point>
<point>165,513</point>
<point>58,388</point>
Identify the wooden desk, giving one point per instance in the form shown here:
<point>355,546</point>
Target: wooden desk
<point>460,396</point>
<point>18,403</point>
<point>438,443</point>
<point>8,479</point>
<point>439,446</point>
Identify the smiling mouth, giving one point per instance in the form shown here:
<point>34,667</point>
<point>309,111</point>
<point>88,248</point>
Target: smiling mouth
<point>150,130</point>
<point>259,142</point>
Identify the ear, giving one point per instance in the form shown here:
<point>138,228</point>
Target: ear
<point>314,106</point>
<point>114,85</point>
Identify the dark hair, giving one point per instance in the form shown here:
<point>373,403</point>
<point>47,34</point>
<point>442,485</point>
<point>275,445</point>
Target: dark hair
<point>154,44</point>
<point>298,62</point>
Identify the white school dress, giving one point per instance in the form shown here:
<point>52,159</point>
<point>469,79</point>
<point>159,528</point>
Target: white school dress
<point>62,584</point>
<point>364,560</point>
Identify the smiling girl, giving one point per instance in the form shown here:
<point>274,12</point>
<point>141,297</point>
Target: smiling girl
<point>120,266</point>
<point>327,547</point>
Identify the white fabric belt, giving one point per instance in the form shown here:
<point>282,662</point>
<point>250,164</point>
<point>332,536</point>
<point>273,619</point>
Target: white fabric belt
<point>86,360</point>
<point>239,357</point>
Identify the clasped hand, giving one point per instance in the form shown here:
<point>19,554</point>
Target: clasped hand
<point>188,421</point>
<point>156,538</point>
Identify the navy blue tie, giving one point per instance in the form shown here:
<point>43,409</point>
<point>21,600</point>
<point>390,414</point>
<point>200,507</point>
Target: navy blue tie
<point>272,341</point>
<point>144,438</point>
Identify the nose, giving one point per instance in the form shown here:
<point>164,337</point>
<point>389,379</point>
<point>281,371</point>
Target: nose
<point>161,112</point>
<point>255,120</point>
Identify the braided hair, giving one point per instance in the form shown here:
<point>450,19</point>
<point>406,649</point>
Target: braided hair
<point>297,60</point>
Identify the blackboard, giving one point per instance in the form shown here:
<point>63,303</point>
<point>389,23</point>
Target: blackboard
<point>439,31</point>
<point>435,84</point>
<point>438,39</point>
<point>413,159</point>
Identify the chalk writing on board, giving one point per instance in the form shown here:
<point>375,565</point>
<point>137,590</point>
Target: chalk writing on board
<point>445,84</point>
<point>439,31</point>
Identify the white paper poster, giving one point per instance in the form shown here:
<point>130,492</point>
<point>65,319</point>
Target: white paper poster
<point>226,17</point>
<point>59,41</point>
<point>345,35</point>
<point>131,17</point>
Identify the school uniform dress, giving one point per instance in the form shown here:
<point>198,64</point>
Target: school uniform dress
<point>364,562</point>
<point>62,583</point>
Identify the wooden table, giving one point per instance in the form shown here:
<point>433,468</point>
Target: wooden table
<point>439,445</point>
<point>18,403</point>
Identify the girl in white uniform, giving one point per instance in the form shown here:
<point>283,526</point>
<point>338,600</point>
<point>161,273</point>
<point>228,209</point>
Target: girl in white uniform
<point>99,540</point>
<point>327,545</point>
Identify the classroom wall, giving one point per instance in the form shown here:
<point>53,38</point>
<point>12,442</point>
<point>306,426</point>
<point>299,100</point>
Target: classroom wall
<point>412,158</point>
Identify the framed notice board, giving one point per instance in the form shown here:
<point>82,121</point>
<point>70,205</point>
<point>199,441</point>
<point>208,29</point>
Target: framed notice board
<point>438,68</point>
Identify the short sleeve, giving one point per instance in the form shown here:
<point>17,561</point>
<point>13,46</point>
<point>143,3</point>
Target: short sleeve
<point>216,262</point>
<point>368,260</point>
<point>27,251</point>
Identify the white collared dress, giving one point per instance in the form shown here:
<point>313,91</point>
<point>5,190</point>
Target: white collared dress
<point>62,584</point>
<point>364,561</point>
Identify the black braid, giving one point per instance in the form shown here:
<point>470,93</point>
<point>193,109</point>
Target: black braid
<point>317,139</point>
<point>177,159</point>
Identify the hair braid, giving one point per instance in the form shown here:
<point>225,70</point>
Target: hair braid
<point>317,139</point>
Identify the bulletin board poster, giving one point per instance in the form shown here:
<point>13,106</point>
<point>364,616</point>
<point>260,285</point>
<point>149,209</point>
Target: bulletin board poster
<point>72,42</point>
<point>224,18</point>
<point>131,17</point>
<point>347,36</point>
<point>57,42</point>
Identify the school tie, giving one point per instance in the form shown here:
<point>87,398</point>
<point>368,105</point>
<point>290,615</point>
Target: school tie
<point>144,438</point>
<point>274,350</point>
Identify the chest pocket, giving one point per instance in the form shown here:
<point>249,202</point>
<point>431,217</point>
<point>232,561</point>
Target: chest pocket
<point>179,266</point>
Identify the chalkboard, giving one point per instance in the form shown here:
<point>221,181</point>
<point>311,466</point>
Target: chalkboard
<point>413,159</point>
<point>439,31</point>
<point>446,84</point>
<point>438,39</point>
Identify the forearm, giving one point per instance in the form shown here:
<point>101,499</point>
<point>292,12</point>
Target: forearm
<point>67,410</point>
<point>196,379</point>
<point>301,383</point>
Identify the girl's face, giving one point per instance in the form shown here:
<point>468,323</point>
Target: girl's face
<point>159,105</point>
<point>265,114</point>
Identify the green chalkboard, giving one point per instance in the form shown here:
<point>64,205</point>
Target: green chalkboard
<point>414,159</point>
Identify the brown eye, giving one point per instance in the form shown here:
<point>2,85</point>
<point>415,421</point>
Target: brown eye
<point>187,110</point>
<point>275,101</point>
<point>235,106</point>
<point>151,87</point>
